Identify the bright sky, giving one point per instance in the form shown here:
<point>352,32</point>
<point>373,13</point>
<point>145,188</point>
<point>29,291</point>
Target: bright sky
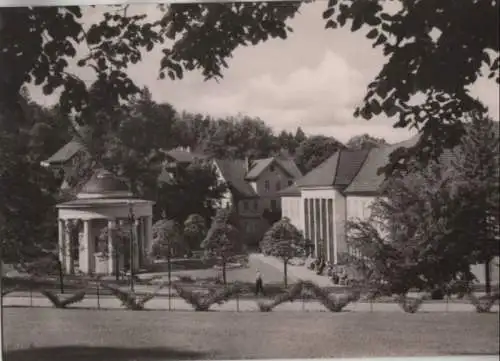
<point>313,79</point>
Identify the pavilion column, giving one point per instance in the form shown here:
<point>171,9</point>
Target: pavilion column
<point>148,233</point>
<point>144,241</point>
<point>86,254</point>
<point>61,243</point>
<point>136,245</point>
<point>111,247</point>
<point>68,248</point>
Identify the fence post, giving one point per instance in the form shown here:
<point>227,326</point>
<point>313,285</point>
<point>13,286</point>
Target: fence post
<point>447,301</point>
<point>169,295</point>
<point>98,296</point>
<point>31,296</point>
<point>237,302</point>
<point>303,302</point>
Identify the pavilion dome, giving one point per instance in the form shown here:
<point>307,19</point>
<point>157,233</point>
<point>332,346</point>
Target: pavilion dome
<point>104,184</point>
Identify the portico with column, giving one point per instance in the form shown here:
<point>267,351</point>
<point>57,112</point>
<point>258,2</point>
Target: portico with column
<point>320,221</point>
<point>103,211</point>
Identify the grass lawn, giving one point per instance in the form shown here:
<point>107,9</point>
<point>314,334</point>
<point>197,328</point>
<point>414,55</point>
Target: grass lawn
<point>83,335</point>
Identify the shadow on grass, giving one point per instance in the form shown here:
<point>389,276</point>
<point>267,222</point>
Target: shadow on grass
<point>90,353</point>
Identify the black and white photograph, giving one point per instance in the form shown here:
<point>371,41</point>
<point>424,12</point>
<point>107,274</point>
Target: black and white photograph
<point>249,180</point>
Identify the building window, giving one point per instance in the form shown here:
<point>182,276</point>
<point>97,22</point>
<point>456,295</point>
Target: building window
<point>274,204</point>
<point>255,205</point>
<point>272,168</point>
<point>266,185</point>
<point>290,182</point>
<point>245,205</point>
<point>278,185</point>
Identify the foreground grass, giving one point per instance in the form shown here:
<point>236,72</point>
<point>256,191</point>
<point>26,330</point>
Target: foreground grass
<point>84,335</point>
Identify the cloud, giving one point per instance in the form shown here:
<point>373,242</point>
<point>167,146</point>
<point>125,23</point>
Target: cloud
<point>320,98</point>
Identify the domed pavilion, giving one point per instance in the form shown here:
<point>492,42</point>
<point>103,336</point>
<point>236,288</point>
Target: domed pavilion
<point>104,203</point>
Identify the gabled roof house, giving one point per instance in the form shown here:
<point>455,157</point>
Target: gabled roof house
<point>342,187</point>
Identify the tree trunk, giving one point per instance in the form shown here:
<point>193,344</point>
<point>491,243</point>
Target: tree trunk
<point>224,271</point>
<point>487,276</point>
<point>285,273</point>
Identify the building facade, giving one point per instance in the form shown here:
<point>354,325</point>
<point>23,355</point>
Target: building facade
<point>341,188</point>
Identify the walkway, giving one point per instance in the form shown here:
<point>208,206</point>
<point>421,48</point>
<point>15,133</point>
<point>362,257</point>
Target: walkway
<point>294,272</point>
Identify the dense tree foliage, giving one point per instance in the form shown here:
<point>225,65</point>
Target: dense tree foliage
<point>365,141</point>
<point>195,229</point>
<point>222,240</point>
<point>284,241</point>
<point>315,150</point>
<point>432,223</point>
<point>194,188</point>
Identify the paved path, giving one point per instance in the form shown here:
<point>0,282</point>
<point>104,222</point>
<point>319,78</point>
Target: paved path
<point>178,304</point>
<point>295,272</point>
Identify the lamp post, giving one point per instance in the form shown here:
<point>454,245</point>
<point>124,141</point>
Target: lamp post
<point>131,216</point>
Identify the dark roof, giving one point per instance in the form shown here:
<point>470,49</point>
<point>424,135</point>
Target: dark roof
<point>290,166</point>
<point>103,182</point>
<point>183,156</point>
<point>234,171</point>
<point>368,180</point>
<point>337,171</point>
<point>260,165</point>
<point>68,151</point>
<point>292,191</point>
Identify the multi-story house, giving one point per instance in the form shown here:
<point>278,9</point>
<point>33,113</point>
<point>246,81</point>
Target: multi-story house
<point>254,188</point>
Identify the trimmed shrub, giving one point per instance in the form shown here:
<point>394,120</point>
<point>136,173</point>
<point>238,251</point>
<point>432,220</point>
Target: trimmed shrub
<point>202,301</point>
<point>7,290</point>
<point>291,294</point>
<point>331,301</point>
<point>484,303</point>
<point>65,301</point>
<point>410,304</point>
<point>130,300</point>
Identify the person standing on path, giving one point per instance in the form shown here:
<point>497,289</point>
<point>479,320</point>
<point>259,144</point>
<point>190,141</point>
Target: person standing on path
<point>259,288</point>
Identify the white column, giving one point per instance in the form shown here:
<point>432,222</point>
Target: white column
<point>68,248</point>
<point>328,236</point>
<point>320,223</point>
<point>312,211</point>
<point>111,247</point>
<point>135,230</point>
<point>61,243</point>
<point>86,254</point>
<point>148,239</point>
<point>144,240</point>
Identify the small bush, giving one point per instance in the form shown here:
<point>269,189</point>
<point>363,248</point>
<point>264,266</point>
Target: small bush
<point>410,304</point>
<point>289,295</point>
<point>63,302</point>
<point>484,303</point>
<point>130,300</point>
<point>202,301</point>
<point>331,301</point>
<point>7,290</point>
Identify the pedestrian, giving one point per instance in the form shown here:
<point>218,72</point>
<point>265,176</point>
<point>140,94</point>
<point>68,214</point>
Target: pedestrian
<point>259,288</point>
